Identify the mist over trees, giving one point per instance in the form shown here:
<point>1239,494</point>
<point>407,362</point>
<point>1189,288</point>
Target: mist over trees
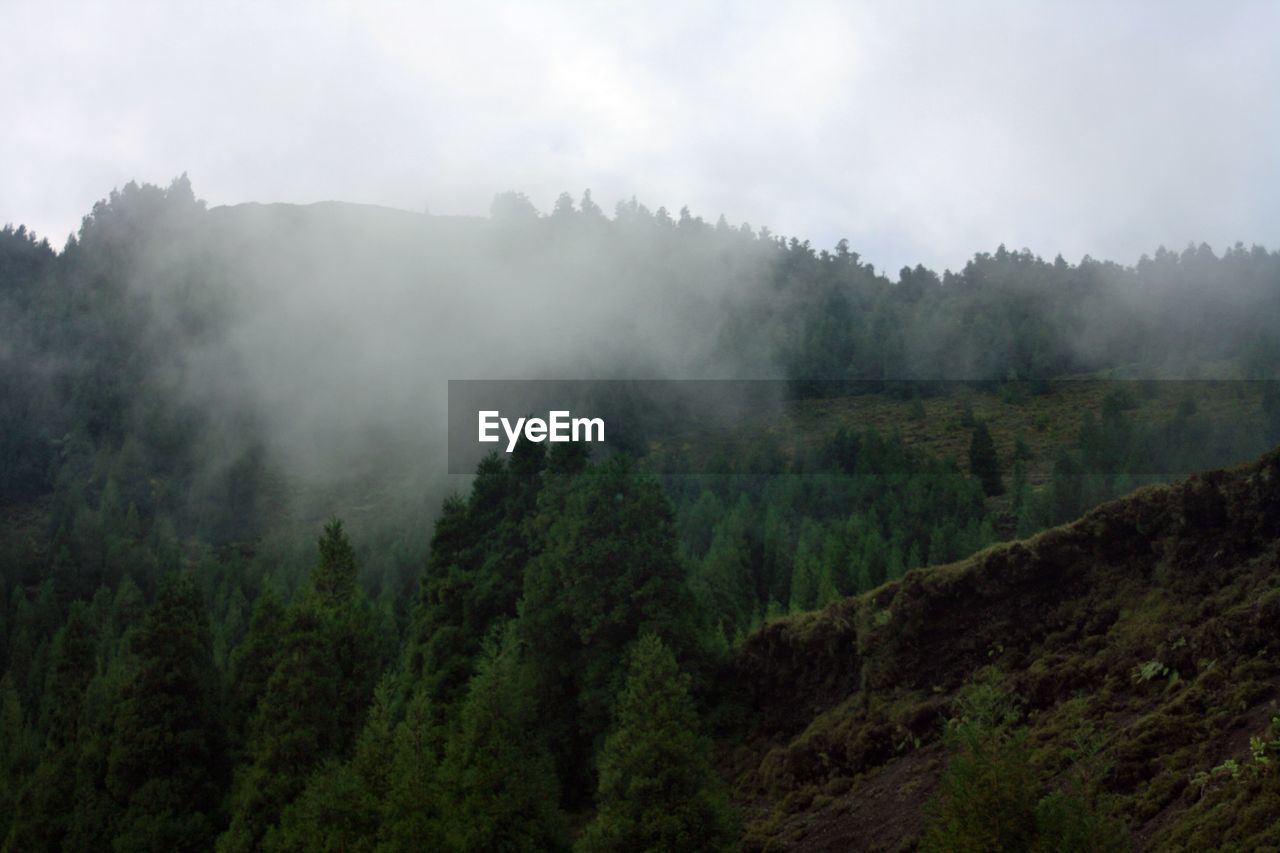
<point>174,335</point>
<point>196,654</point>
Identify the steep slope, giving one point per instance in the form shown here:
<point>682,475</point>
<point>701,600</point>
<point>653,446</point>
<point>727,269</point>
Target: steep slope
<point>1149,627</point>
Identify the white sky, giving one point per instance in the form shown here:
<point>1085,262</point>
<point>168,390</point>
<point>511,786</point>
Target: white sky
<point>923,132</point>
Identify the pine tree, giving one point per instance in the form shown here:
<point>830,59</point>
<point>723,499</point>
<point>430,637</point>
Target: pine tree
<point>295,727</point>
<point>18,749</point>
<point>46,803</point>
<point>989,790</point>
<point>341,807</point>
<point>607,573</point>
<point>253,661</point>
<point>498,780</point>
<point>811,584</point>
<point>724,576</point>
<point>313,703</point>
<point>335,812</point>
<point>96,812</point>
<point>474,576</point>
<point>334,579</point>
<point>658,790</point>
<point>167,761</point>
<point>983,462</point>
<point>411,808</point>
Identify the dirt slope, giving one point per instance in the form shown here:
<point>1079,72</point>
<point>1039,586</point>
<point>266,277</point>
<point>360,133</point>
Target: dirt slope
<point>1154,622</point>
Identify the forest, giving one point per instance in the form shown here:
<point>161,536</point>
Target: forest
<point>243,606</point>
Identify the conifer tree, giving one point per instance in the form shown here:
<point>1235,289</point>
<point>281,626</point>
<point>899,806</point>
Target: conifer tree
<point>607,572</point>
<point>497,781</point>
<point>18,749</point>
<point>334,580</point>
<point>295,727</point>
<point>811,584</point>
<point>314,700</point>
<point>253,661</point>
<point>983,462</point>
<point>45,805</point>
<point>658,790</point>
<point>724,576</point>
<point>96,812</point>
<point>335,812</point>
<point>341,807</point>
<point>167,763</point>
<point>411,809</point>
<point>474,576</point>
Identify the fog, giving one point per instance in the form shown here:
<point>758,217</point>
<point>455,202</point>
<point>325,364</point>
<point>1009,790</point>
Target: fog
<point>921,131</point>
<point>330,331</point>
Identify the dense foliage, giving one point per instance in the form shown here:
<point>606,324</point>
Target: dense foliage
<point>536,661</point>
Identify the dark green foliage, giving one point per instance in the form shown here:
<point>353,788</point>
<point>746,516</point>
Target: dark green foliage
<point>657,788</point>
<point>385,798</point>
<point>607,573</point>
<point>1066,823</point>
<point>116,478</point>
<point>73,667</point>
<point>88,404</point>
<point>19,751</point>
<point>334,580</point>
<point>992,797</point>
<point>989,791</point>
<point>26,265</point>
<point>295,727</point>
<point>497,781</point>
<point>314,701</point>
<point>858,510</point>
<point>335,812</point>
<point>474,576</point>
<point>46,805</point>
<point>983,461</point>
<point>1271,413</point>
<point>341,806</point>
<point>725,578</point>
<point>167,763</point>
<point>818,559</point>
<point>411,807</point>
<point>253,662</point>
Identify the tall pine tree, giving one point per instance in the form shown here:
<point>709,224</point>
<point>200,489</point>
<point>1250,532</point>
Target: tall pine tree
<point>983,462</point>
<point>498,780</point>
<point>314,701</point>
<point>608,572</point>
<point>168,763</point>
<point>658,790</point>
<point>43,815</point>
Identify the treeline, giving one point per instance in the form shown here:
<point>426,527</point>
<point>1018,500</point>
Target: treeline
<point>553,666</point>
<point>556,668</point>
<point>120,380</point>
<point>179,671</point>
<point>94,407</point>
<point>1117,449</point>
<point>827,315</point>
<point>858,510</point>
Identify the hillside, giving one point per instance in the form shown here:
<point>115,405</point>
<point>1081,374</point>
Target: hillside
<point>1146,628</point>
<point>195,400</point>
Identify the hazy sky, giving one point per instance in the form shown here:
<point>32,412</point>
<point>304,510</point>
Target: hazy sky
<point>920,131</point>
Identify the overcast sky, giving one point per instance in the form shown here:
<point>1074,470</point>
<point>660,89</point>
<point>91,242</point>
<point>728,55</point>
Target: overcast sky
<point>921,131</point>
